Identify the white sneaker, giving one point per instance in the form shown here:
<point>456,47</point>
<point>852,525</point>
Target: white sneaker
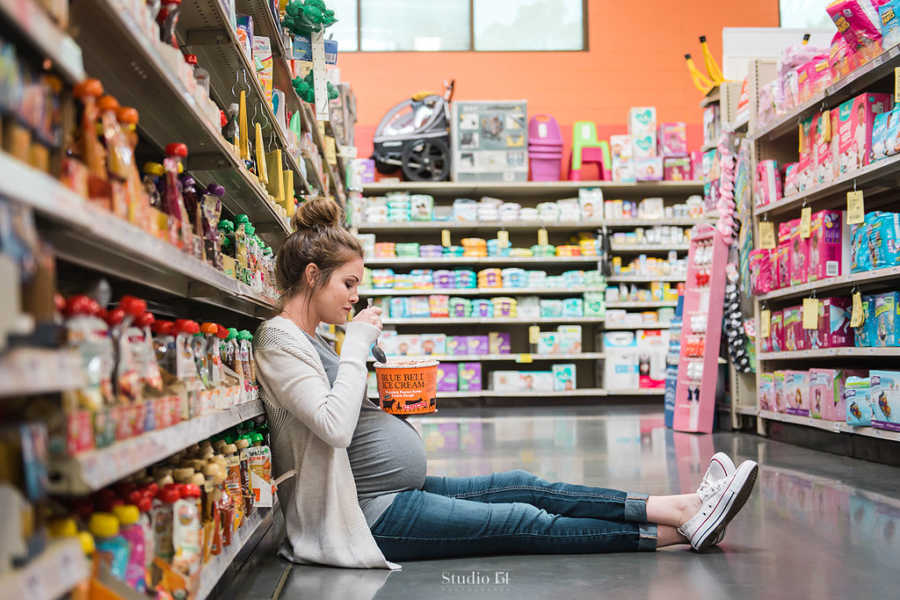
<point>720,467</point>
<point>720,507</point>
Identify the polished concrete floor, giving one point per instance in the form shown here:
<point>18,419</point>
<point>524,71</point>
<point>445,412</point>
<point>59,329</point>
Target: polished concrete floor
<point>818,525</point>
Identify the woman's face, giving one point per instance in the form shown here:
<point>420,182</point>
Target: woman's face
<point>332,302</point>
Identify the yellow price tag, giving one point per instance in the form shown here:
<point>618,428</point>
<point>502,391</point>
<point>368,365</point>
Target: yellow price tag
<point>856,212</point>
<point>810,313</point>
<point>805,218</point>
<point>502,238</point>
<point>524,358</point>
<point>445,238</point>
<point>767,235</point>
<point>542,237</point>
<point>534,334</point>
<point>896,85</point>
<point>765,322</point>
<point>856,314</point>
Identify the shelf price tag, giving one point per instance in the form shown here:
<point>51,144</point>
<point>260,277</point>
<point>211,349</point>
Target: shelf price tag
<point>767,235</point>
<point>805,218</point>
<point>543,240</point>
<point>524,358</point>
<point>502,238</point>
<point>856,314</point>
<point>445,238</point>
<point>810,313</point>
<point>534,334</point>
<point>765,322</point>
<point>896,84</point>
<point>855,209</point>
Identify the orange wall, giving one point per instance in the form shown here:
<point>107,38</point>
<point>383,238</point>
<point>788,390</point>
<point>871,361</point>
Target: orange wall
<point>635,59</point>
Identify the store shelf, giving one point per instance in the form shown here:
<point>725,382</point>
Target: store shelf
<point>667,222</point>
<point>636,392</point>
<point>712,97</point>
<point>647,304</point>
<point>850,351</point>
<point>882,171</point>
<point>521,189</point>
<point>741,125</point>
<point>92,470</point>
<point>515,357</point>
<point>832,283</point>
<point>490,260</point>
<point>34,23</point>
<point>584,392</point>
<point>879,68</point>
<point>53,574</point>
<point>547,291</point>
<point>497,321</point>
<point>253,528</point>
<point>416,226</point>
<point>833,426</point>
<point>614,327</point>
<point>639,248</point>
<point>644,278</point>
<point>746,410</point>
<point>93,237</point>
<point>170,113</point>
<point>26,371</point>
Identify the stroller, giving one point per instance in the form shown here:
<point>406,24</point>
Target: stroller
<point>415,136</point>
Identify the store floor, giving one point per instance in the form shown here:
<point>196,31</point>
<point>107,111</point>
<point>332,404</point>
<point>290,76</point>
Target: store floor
<point>818,525</point>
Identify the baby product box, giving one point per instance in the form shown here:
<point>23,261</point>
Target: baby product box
<point>642,121</point>
<point>826,392</point>
<point>538,381</point>
<point>623,171</point>
<point>855,124</point>
<point>676,168</point>
<point>457,345</point>
<point>778,386</point>
<point>794,335</point>
<point>499,342</point>
<point>507,381</point>
<point>548,343</point>
<point>776,331</point>
<point>766,392</point>
<point>469,377</point>
<point>477,344</point>
<point>447,378</point>
<point>620,147</point>
<point>822,152</point>
<point>825,245</point>
<point>569,339</point>
<point>620,370</point>
<point>799,254</point>
<point>648,169</point>
<point>489,140</point>
<point>833,324</point>
<point>563,377</point>
<point>433,343</point>
<point>884,396</point>
<point>879,135</point>
<point>884,239</point>
<point>863,335</point>
<point>673,139</point>
<point>857,401</point>
<point>886,320</point>
<point>653,345</point>
<point>796,392</point>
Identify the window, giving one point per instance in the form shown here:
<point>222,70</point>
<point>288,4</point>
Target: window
<point>449,25</point>
<point>805,14</point>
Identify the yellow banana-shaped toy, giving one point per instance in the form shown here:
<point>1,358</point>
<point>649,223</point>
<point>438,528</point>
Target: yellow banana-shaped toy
<point>701,81</point>
<point>712,67</point>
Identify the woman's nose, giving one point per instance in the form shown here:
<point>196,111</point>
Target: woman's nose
<point>354,298</point>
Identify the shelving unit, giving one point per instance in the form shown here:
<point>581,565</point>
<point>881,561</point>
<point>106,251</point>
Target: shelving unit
<point>519,358</point>
<point>778,140</point>
<point>521,235</point>
<point>58,569</point>
<point>46,37</point>
<point>39,371</point>
<point>577,393</point>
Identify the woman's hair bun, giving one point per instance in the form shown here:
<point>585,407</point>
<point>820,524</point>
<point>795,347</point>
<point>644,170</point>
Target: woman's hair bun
<point>319,211</point>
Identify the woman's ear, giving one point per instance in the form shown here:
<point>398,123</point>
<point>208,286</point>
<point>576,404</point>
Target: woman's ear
<point>311,274</point>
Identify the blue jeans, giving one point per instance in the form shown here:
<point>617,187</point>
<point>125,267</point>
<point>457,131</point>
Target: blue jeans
<point>511,513</point>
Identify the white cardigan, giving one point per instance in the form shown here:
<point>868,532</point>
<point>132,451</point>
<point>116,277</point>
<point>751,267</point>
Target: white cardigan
<point>312,424</point>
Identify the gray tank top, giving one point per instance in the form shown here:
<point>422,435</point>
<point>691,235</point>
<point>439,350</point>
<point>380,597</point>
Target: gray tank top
<point>387,455</point>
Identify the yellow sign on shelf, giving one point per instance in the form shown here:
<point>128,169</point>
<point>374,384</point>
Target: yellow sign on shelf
<point>767,235</point>
<point>805,218</point>
<point>765,322</point>
<point>810,313</point>
<point>856,314</point>
<point>856,212</point>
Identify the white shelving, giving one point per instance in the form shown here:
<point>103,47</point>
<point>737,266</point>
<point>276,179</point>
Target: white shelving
<point>490,260</point>
<point>831,283</point>
<point>643,278</point>
<point>850,351</point>
<point>53,43</point>
<point>514,357</point>
<point>25,371</point>
<point>642,304</point>
<point>833,426</point>
<point>414,226</point>
<point>534,188</point>
<point>492,321</point>
<point>638,248</point>
<point>58,569</point>
<point>614,327</point>
<point>581,393</point>
<point>548,291</point>
<point>92,470</point>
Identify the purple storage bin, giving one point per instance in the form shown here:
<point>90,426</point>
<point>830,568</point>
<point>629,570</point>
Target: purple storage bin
<point>447,377</point>
<point>543,129</point>
<point>469,377</point>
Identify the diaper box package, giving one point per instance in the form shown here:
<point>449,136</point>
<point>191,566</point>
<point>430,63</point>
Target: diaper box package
<point>886,320</point>
<point>447,377</point>
<point>548,343</point>
<point>620,370</point>
<point>620,147</point>
<point>569,339</point>
<point>823,172</point>
<point>884,239</point>
<point>825,245</point>
<point>538,381</point>
<point>642,119</point>
<point>563,377</point>
<point>833,324</point>
<point>499,342</point>
<point>796,392</point>
<point>856,120</point>
<point>778,386</point>
<point>457,345</point>
<point>673,139</point>
<point>477,344</point>
<point>857,401</point>
<point>469,377</point>
<point>648,168</point>
<point>863,335</point>
<point>507,381</point>
<point>795,337</point>
<point>766,392</point>
<point>884,396</point>
<point>433,343</point>
<point>826,392</point>
<point>799,254</point>
<point>776,331</point>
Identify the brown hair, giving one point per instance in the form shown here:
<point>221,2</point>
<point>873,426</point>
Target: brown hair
<point>318,238</point>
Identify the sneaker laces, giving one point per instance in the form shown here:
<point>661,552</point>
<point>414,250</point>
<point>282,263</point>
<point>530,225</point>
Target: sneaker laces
<point>711,488</point>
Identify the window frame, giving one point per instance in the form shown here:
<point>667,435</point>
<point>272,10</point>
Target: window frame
<point>585,42</point>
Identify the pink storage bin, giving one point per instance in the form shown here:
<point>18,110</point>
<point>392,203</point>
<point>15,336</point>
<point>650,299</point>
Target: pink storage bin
<point>544,130</point>
<point>545,169</point>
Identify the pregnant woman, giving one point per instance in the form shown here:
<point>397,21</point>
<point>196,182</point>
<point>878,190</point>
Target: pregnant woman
<point>361,496</point>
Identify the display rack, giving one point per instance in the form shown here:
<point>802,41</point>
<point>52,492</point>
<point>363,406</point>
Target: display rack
<point>58,569</point>
<point>778,140</point>
<point>39,371</point>
<point>520,233</point>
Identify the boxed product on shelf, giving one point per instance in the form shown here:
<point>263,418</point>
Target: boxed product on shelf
<point>858,400</point>
<point>488,141</point>
<point>768,184</point>
<point>648,169</point>
<point>499,342</point>
<point>884,396</point>
<point>885,324</point>
<point>855,123</point>
<point>677,168</point>
<point>642,127</point>
<point>469,376</point>
<point>564,378</point>
<point>776,332</point>
<point>621,364</point>
<point>833,325</point>
<point>565,340</point>
<point>447,377</point>
<point>796,392</point>
<point>795,337</point>
<point>766,392</point>
<point>778,386</point>
<point>826,392</point>
<point>884,134</point>
<point>653,345</point>
<point>673,139</point>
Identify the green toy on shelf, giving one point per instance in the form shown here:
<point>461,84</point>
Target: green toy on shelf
<point>304,18</point>
<point>306,90</point>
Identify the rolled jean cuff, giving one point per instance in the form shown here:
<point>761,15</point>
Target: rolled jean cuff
<point>636,507</point>
<point>647,541</point>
